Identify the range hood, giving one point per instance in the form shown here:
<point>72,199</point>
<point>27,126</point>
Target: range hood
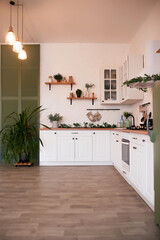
<point>151,65</point>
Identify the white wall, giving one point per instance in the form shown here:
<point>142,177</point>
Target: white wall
<point>150,30</point>
<point>83,62</point>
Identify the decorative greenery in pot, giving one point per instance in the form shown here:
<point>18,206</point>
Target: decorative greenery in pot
<point>54,119</point>
<point>127,122</point>
<point>78,93</point>
<point>58,77</point>
<point>19,136</point>
<point>87,86</point>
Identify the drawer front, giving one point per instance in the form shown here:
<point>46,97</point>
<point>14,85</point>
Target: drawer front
<point>74,133</point>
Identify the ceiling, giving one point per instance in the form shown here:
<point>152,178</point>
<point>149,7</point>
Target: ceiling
<point>93,21</point>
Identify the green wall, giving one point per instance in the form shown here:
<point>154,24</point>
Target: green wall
<point>19,81</point>
<point>156,111</point>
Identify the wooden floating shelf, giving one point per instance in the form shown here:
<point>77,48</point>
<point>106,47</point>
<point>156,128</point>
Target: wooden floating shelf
<point>59,83</point>
<point>158,51</point>
<point>81,98</point>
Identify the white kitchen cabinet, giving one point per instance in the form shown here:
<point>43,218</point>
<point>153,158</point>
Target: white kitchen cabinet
<point>149,163</point>
<point>101,146</point>
<point>110,85</point>
<point>48,152</point>
<point>83,148</point>
<point>137,166</point>
<point>66,150</point>
<point>131,69</point>
<point>116,153</point>
<point>74,146</point>
<point>141,168</point>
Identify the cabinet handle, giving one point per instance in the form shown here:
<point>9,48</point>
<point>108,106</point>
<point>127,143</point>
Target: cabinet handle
<point>143,140</point>
<point>122,98</point>
<point>113,133</point>
<point>55,133</point>
<point>134,148</point>
<point>76,138</point>
<point>117,134</point>
<point>134,138</point>
<point>75,133</point>
<point>72,138</point>
<point>124,172</point>
<point>117,141</point>
<point>94,133</point>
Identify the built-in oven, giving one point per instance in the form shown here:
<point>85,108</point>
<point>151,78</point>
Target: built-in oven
<point>126,153</point>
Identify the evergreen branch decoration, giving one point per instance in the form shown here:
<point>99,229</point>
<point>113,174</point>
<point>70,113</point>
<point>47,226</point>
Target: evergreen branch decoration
<point>146,78</point>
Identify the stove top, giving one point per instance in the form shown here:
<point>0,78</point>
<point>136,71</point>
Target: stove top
<point>140,128</point>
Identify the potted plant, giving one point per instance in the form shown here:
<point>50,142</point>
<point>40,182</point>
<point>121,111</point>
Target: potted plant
<point>19,136</point>
<point>88,86</point>
<point>127,122</point>
<point>54,119</point>
<point>58,77</point>
<point>78,93</point>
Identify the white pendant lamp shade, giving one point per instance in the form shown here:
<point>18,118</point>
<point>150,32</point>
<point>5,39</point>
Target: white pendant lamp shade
<point>22,54</point>
<point>10,37</point>
<point>17,46</point>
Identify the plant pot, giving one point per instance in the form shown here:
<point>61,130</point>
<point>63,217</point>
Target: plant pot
<point>55,124</point>
<point>24,157</point>
<point>127,123</point>
<point>78,93</point>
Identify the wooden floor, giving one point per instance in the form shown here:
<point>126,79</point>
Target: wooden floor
<point>72,203</point>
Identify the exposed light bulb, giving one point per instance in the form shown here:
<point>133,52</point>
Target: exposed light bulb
<point>10,37</point>
<point>17,46</point>
<point>22,54</point>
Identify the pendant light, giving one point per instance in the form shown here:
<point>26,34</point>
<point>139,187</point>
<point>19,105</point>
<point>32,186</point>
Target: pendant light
<point>10,37</point>
<point>22,54</point>
<point>17,46</point>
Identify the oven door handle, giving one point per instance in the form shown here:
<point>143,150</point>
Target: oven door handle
<point>125,143</point>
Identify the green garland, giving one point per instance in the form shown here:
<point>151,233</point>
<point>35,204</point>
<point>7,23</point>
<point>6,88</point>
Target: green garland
<point>146,78</point>
<point>87,125</point>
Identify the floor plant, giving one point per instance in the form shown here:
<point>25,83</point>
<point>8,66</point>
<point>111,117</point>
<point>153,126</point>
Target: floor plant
<point>20,136</point>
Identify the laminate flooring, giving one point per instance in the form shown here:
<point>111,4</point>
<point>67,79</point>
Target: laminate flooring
<point>71,203</point>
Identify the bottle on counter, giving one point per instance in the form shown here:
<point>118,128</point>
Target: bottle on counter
<point>121,122</point>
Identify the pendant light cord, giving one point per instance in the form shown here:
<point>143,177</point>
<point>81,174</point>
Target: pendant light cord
<point>12,3</point>
<point>10,15</point>
<point>22,23</point>
<point>17,18</point>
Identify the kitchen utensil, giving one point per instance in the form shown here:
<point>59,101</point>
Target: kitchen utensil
<point>91,117</point>
<point>97,116</point>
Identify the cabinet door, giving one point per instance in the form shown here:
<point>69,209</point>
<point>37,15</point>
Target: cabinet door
<point>66,148</point>
<point>140,168</point>
<point>149,193</point>
<point>101,146</point>
<point>116,150</point>
<point>48,152</point>
<point>110,85</point>
<point>137,166</point>
<point>83,148</point>
<point>131,69</point>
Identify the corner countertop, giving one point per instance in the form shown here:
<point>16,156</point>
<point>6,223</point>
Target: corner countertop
<point>144,132</point>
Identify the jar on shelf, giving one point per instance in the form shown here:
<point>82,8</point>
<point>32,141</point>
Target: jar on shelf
<point>50,79</point>
<point>70,79</point>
